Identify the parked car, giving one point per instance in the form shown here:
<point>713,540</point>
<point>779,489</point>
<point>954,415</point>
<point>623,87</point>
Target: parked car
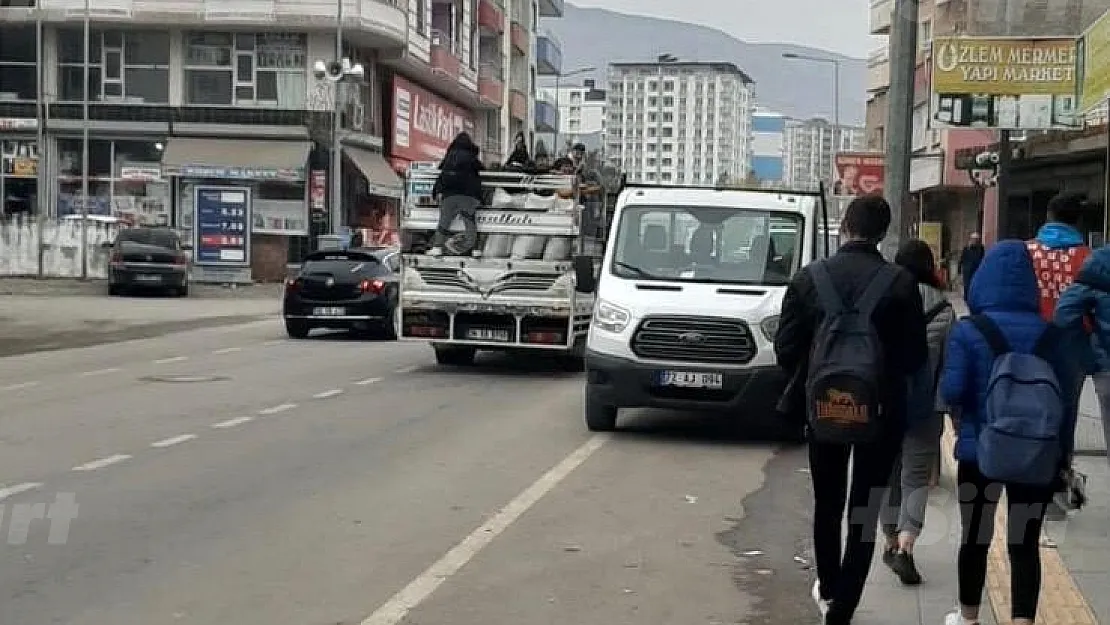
<point>148,259</point>
<point>353,289</point>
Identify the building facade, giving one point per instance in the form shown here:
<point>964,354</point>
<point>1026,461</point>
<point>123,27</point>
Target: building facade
<point>811,147</point>
<point>582,116</point>
<point>768,147</point>
<point>181,98</point>
<point>680,123</point>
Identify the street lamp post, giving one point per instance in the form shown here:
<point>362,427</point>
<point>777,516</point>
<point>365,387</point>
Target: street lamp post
<point>558,99</point>
<point>337,70</point>
<point>836,99</point>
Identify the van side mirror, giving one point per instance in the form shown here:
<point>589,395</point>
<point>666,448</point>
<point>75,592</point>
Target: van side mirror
<point>584,279</point>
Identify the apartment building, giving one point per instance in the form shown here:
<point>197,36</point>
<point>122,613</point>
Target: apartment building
<point>581,115</point>
<point>811,147</point>
<point>768,147</point>
<point>679,122</point>
<point>188,94</point>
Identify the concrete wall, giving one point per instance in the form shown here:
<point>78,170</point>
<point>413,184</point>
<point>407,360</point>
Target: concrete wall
<point>57,243</point>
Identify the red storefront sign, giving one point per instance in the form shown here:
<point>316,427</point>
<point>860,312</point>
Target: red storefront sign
<point>859,173</point>
<point>424,124</point>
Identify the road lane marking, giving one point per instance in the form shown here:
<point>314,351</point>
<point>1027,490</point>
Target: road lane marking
<point>173,440</point>
<point>18,387</point>
<point>227,350</point>
<point>326,394</point>
<point>230,423</point>
<point>408,369</point>
<point>274,342</point>
<point>94,372</point>
<point>368,381</point>
<point>418,590</point>
<point>276,409</point>
<point>103,462</point>
<point>12,491</point>
<point>166,361</point>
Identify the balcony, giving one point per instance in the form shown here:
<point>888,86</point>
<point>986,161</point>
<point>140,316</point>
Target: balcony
<point>491,85</point>
<point>882,13</point>
<point>551,8</point>
<point>520,38</point>
<point>444,59</point>
<point>549,54</point>
<point>491,17</point>
<point>518,105</point>
<point>547,116</point>
<point>878,71</point>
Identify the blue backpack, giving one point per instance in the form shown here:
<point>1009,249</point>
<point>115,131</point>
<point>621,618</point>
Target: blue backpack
<point>1023,416</point>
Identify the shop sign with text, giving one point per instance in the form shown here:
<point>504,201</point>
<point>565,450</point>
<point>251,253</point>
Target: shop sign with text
<point>1094,64</point>
<point>424,124</point>
<point>859,173</point>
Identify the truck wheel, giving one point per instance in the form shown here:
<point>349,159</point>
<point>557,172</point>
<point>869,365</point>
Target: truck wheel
<point>600,418</point>
<point>455,356</point>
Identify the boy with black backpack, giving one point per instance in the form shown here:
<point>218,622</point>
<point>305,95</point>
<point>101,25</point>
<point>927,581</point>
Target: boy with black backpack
<point>851,332</point>
<point>1006,371</point>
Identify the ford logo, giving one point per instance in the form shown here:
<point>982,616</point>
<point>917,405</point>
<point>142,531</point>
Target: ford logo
<point>691,337</point>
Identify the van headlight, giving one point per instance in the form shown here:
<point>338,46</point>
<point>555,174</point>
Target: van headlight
<point>770,327</point>
<point>610,317</point>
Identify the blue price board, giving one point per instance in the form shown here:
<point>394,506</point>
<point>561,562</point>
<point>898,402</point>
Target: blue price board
<point>222,233</point>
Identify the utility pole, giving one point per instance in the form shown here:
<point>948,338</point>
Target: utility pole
<point>336,166</point>
<point>899,126</point>
<point>85,149</point>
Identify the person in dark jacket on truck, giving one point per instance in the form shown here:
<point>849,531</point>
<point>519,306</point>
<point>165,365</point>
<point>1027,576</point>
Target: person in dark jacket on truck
<point>459,189</point>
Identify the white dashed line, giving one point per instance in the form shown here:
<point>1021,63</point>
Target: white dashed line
<point>274,342</point>
<point>227,350</point>
<point>12,491</point>
<point>18,387</point>
<point>326,394</point>
<point>404,370</point>
<point>166,361</point>
<point>173,440</point>
<point>230,423</point>
<point>89,374</point>
<point>103,462</point>
<point>399,605</point>
<point>368,381</point>
<point>277,409</point>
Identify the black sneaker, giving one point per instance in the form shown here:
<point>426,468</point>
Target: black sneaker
<point>888,556</point>
<point>903,566</point>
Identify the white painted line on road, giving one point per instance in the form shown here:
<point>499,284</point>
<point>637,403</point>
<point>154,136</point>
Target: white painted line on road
<point>89,374</point>
<point>368,381</point>
<point>273,342</point>
<point>399,605</point>
<point>103,462</point>
<point>166,361</point>
<point>12,491</point>
<point>409,369</point>
<point>277,409</point>
<point>173,440</point>
<point>326,394</point>
<point>227,350</point>
<point>18,387</point>
<point>230,423</point>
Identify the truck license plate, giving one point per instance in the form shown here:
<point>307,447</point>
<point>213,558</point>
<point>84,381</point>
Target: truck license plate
<point>329,311</point>
<point>487,334</point>
<point>691,379</point>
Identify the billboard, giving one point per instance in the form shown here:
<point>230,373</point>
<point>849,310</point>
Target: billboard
<point>859,173</point>
<point>1094,64</point>
<point>424,124</point>
<point>1005,83</point>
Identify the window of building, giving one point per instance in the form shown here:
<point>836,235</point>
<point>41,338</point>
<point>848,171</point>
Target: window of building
<point>422,17</point>
<point>18,63</point>
<point>19,168</point>
<point>125,180</point>
<point>246,69</point>
<point>668,85</point>
<point>132,67</point>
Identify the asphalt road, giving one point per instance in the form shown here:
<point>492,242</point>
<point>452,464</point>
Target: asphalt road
<point>229,475</point>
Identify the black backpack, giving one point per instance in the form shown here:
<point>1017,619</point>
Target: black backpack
<point>844,383</point>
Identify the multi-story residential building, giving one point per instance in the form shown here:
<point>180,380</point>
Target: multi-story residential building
<point>811,147</point>
<point>679,122</point>
<point>582,115</point>
<point>185,94</point>
<point>768,147</point>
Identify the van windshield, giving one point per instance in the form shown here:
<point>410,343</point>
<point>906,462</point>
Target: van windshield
<point>708,244</point>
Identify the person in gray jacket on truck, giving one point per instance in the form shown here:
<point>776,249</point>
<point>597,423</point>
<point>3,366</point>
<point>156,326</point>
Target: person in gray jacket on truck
<point>903,516</point>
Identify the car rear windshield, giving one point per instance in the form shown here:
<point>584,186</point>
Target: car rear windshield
<point>161,238</point>
<point>340,263</point>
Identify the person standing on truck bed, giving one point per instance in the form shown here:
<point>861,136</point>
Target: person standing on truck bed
<point>459,187</point>
<point>851,332</point>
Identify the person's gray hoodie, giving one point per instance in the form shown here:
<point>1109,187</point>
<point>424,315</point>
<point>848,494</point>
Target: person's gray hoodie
<point>941,318</point>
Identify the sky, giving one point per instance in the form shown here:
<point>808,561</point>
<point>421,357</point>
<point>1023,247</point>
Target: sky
<point>834,25</point>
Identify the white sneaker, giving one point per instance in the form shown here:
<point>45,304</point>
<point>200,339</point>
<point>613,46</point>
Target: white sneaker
<point>822,605</point>
<point>956,618</point>
<point>435,251</point>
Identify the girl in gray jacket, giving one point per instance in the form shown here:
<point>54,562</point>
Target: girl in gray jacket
<point>904,513</point>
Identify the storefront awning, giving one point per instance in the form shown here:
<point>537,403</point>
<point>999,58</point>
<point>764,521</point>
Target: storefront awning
<point>381,180</point>
<point>236,159</point>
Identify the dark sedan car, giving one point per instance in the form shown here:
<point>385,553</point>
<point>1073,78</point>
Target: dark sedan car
<point>148,258</point>
<point>352,289</point>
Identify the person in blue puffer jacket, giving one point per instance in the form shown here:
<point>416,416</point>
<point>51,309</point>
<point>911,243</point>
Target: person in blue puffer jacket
<point>1005,290</point>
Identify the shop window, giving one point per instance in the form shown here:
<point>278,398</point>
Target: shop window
<point>125,180</point>
<point>132,67</point>
<point>263,70</point>
<point>19,161</point>
<point>18,63</point>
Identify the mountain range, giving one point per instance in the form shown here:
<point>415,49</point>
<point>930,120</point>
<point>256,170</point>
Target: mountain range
<point>799,89</point>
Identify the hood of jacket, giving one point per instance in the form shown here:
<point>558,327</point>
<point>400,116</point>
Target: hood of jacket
<point>463,143</point>
<point>1055,236</point>
<point>1096,271</point>
<point>1005,281</point>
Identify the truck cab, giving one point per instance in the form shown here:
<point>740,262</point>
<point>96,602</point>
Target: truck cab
<point>688,300</point>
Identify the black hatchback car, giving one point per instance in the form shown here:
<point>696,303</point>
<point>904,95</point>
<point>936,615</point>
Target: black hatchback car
<point>149,259</point>
<point>353,289</point>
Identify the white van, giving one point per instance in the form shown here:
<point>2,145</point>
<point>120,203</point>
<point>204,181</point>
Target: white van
<point>688,300</point>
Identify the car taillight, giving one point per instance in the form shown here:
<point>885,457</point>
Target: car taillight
<point>371,286</point>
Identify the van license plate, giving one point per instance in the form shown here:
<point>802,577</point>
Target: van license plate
<point>691,379</point>
<point>329,311</point>
<point>487,334</point>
